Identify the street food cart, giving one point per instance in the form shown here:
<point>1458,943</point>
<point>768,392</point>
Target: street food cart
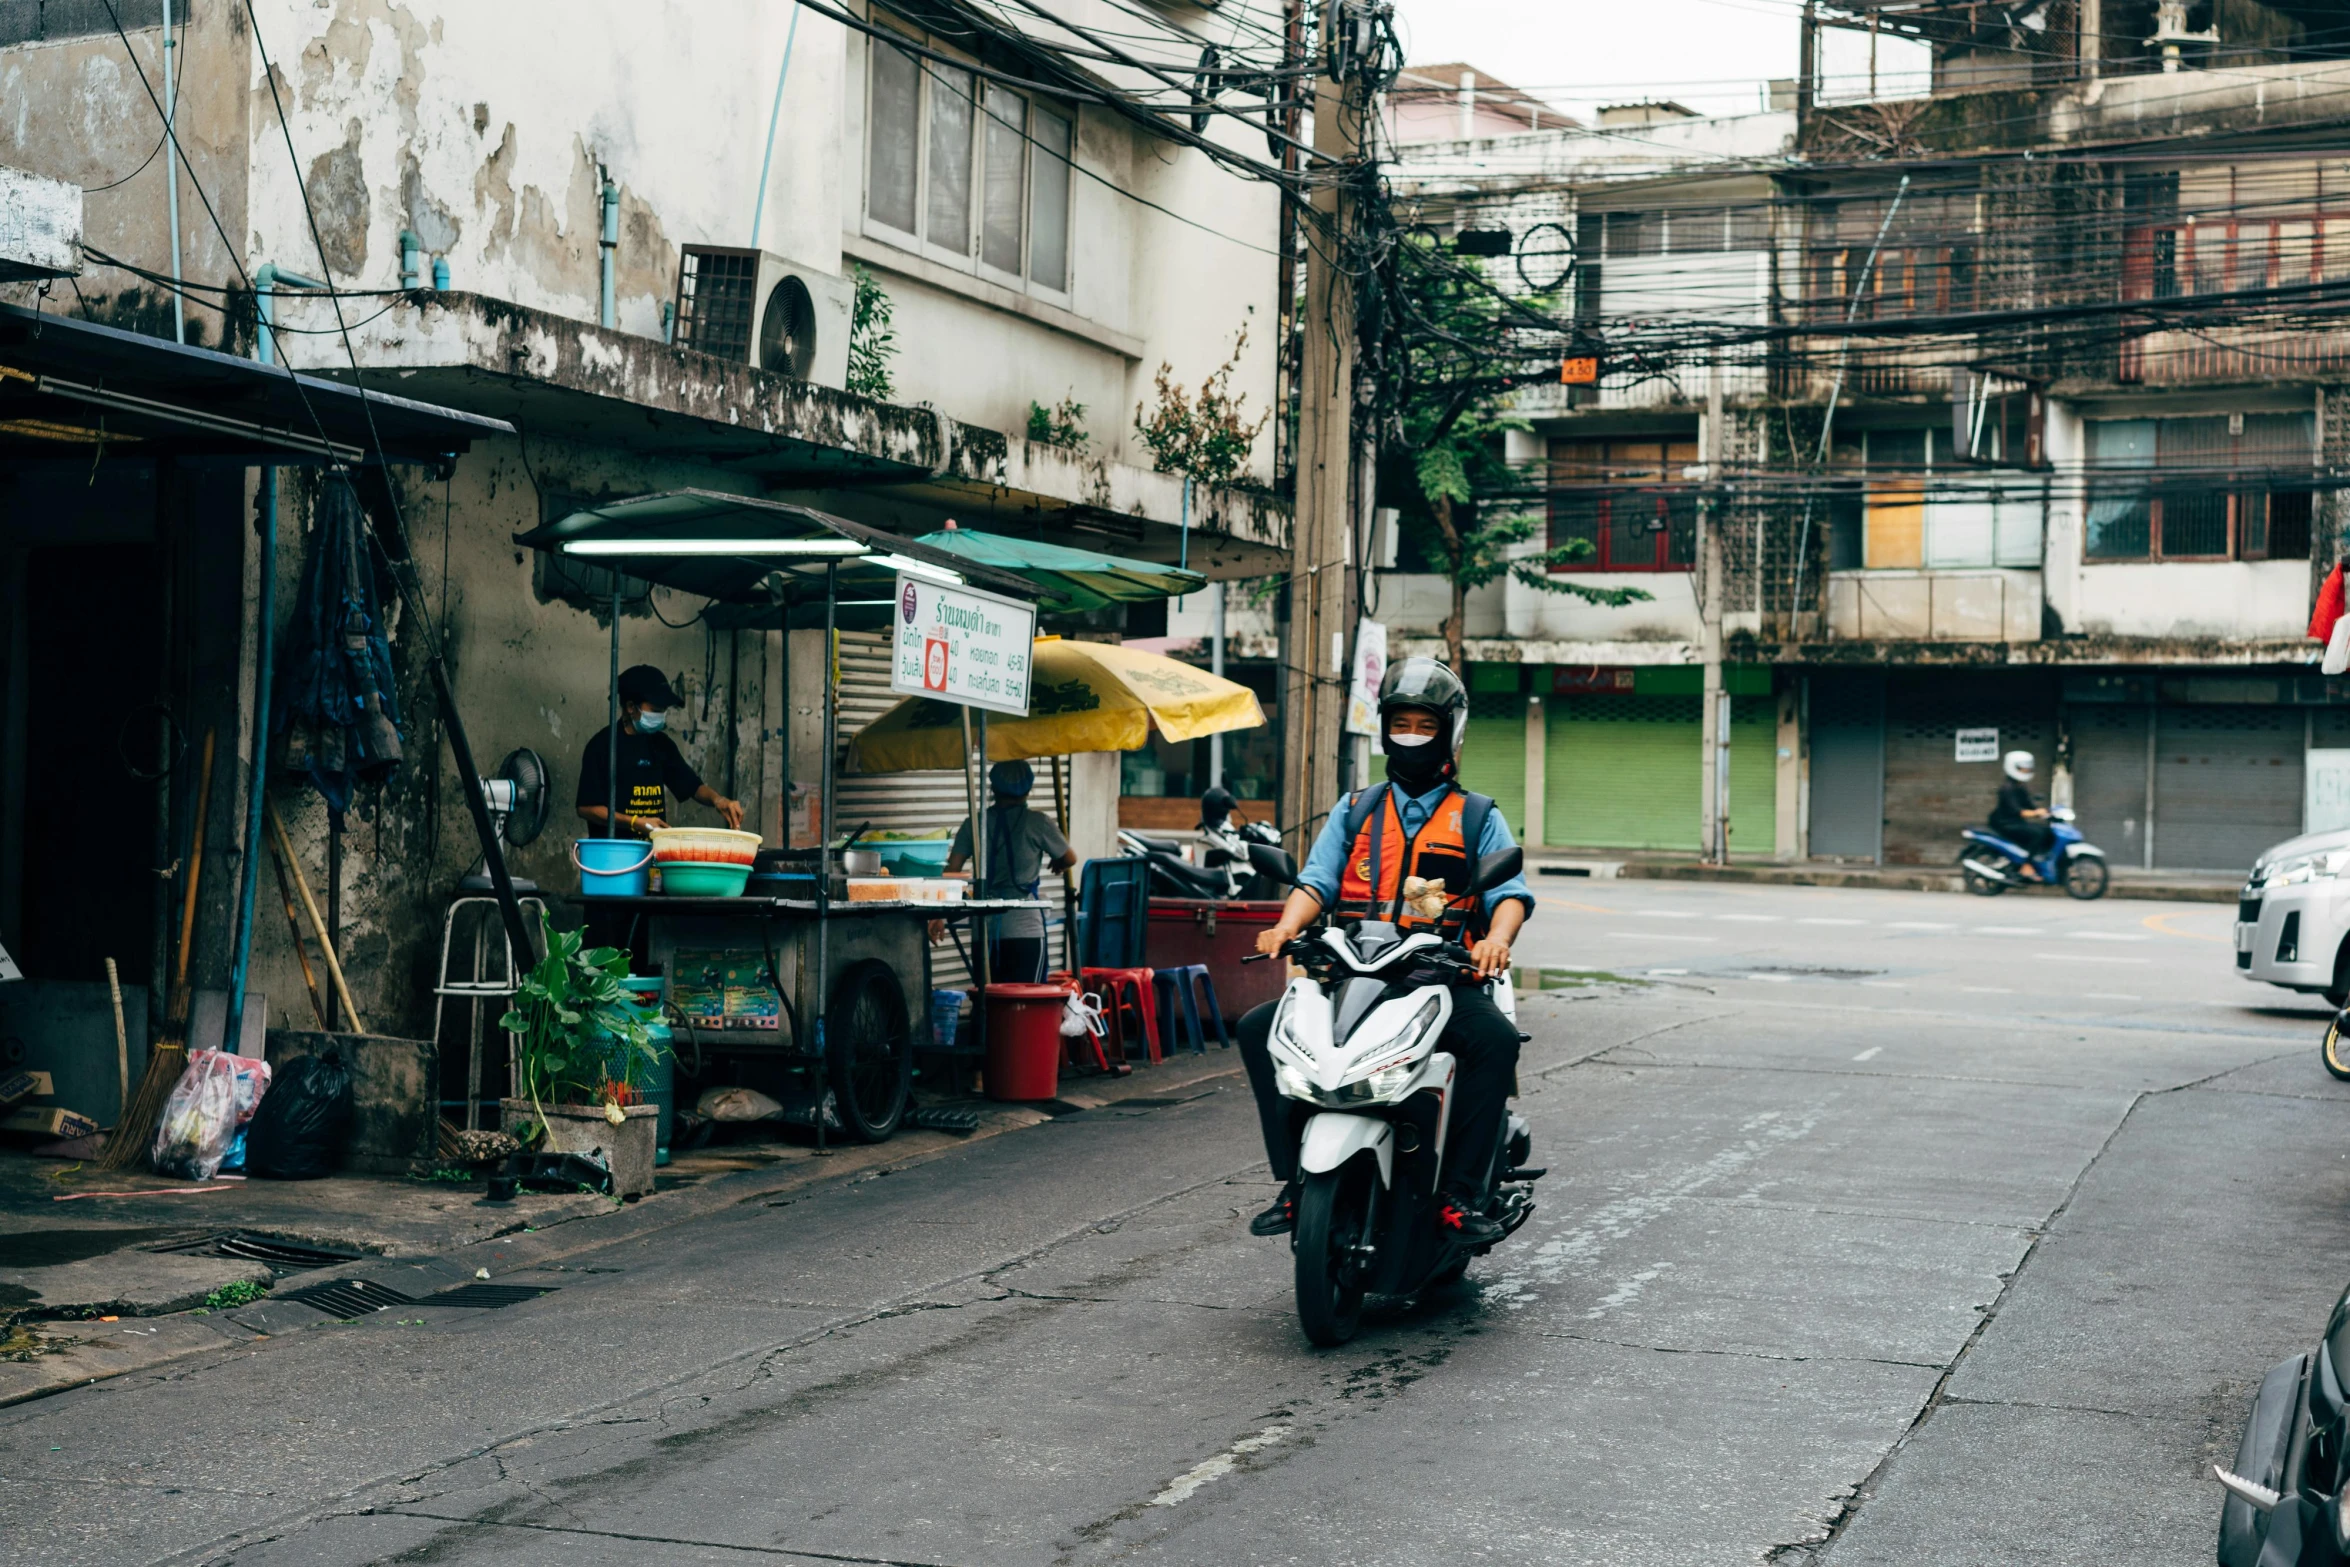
<point>820,979</point>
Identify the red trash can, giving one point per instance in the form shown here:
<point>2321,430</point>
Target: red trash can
<point>1024,1040</point>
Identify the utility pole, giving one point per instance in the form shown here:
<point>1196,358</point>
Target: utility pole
<point>1713,718</point>
<point>1321,584</point>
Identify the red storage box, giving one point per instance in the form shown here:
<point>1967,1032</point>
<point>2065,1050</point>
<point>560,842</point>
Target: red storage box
<point>1184,931</point>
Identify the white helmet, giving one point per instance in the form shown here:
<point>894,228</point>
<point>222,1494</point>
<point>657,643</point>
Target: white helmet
<point>2017,765</point>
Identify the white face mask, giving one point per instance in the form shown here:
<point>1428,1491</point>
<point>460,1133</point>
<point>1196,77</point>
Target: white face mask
<point>1409,740</point>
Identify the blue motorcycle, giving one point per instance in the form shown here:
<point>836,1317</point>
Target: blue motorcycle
<point>1991,864</point>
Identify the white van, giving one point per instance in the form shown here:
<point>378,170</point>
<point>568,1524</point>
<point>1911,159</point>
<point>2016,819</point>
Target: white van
<point>2293,916</point>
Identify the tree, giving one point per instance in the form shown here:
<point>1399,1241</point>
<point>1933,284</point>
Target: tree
<point>1457,363</point>
<point>872,343</point>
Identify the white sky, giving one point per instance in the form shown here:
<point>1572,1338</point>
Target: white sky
<point>1713,55</point>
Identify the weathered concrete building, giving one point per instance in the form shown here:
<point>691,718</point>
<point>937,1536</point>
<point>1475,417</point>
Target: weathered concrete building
<point>2072,341</point>
<point>635,233</point>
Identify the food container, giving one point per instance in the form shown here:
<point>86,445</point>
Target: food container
<point>781,884</point>
<point>703,879</point>
<point>874,889</point>
<point>862,862</point>
<point>915,856</point>
<point>710,845</point>
<point>931,889</point>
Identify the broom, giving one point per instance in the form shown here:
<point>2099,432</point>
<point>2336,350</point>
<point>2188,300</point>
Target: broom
<point>170,1055</point>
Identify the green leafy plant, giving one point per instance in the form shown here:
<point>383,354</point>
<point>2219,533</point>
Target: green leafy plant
<point>567,1000</point>
<point>230,1296</point>
<point>1062,425</point>
<point>872,344</point>
<point>1206,434</point>
<point>1455,421</point>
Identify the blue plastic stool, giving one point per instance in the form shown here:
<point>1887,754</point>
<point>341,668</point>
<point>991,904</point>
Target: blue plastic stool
<point>1179,995</point>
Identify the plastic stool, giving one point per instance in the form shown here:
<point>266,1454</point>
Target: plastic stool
<point>1120,989</point>
<point>1075,1047</point>
<point>1178,991</point>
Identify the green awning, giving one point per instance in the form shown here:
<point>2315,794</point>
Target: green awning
<point>1072,581</point>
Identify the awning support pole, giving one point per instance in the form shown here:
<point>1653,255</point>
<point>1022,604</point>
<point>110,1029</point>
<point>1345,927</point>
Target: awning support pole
<point>612,723</point>
<point>819,997</point>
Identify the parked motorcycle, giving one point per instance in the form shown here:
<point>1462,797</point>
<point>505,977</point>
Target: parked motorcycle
<point>2285,1505</point>
<point>1355,1041</point>
<point>1992,864</point>
<point>1238,860</point>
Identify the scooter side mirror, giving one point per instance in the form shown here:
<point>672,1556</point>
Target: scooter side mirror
<point>1498,867</point>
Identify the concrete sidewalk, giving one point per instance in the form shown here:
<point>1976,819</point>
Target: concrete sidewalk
<point>1607,865</point>
<point>91,1288</point>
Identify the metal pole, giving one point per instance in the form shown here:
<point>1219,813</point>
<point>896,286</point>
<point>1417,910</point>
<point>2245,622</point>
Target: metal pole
<point>774,118</point>
<point>1713,730</point>
<point>1216,667</point>
<point>612,723</point>
<point>257,773</point>
<point>971,797</point>
<point>171,175</point>
<point>824,839</point>
<point>980,869</point>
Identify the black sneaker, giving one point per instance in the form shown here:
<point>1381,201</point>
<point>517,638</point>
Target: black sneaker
<point>1466,1225</point>
<point>1279,1219</point>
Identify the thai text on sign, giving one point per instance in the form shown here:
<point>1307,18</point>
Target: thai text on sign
<point>961,645</point>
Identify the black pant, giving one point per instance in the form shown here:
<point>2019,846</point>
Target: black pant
<point>2031,837</point>
<point>1483,1043</point>
<point>1017,960</point>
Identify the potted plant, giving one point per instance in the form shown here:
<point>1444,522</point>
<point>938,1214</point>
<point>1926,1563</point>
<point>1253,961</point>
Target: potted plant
<point>582,1055</point>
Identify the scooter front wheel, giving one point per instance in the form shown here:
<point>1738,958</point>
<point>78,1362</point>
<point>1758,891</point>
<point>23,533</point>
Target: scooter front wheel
<point>2336,1049</point>
<point>1331,1211</point>
<point>1980,885</point>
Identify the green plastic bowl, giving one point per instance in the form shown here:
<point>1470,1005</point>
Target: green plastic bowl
<point>703,879</point>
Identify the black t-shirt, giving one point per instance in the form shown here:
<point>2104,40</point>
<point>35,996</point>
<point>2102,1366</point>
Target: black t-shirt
<point>648,764</point>
<point>2015,798</point>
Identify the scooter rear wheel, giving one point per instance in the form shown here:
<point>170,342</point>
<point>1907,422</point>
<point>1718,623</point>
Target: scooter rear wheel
<point>1330,1214</point>
<point>1980,885</point>
<point>2336,1049</point>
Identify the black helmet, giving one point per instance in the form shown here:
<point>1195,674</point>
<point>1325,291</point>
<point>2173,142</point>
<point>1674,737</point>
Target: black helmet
<point>1215,806</point>
<point>1426,683</point>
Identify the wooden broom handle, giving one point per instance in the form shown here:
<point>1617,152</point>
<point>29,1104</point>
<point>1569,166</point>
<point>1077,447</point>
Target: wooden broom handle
<point>326,948</point>
<point>179,977</point>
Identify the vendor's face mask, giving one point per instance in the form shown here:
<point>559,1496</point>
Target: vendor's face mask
<point>651,721</point>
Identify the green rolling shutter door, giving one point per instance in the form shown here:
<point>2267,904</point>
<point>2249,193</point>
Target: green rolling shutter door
<point>1493,758</point>
<point>1622,773</point>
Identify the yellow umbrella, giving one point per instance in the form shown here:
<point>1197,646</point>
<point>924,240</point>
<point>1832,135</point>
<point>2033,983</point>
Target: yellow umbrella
<point>1083,696</point>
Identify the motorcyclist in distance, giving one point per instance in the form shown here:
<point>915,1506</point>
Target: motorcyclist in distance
<point>1373,843</point>
<point>2018,816</point>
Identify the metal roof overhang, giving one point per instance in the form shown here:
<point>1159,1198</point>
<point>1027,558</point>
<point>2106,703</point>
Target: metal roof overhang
<point>67,383</point>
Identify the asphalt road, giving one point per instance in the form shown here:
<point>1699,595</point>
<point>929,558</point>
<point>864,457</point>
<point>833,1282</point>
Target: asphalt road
<point>1882,1227</point>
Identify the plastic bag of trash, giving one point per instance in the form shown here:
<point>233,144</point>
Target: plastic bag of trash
<point>252,1083</point>
<point>192,1135</point>
<point>735,1104</point>
<point>300,1130</point>
<point>1081,1015</point>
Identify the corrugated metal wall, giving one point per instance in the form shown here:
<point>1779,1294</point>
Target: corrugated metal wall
<point>2227,784</point>
<point>1622,772</point>
<point>1493,758</point>
<point>2109,777</point>
<point>1847,764</point>
<point>1929,793</point>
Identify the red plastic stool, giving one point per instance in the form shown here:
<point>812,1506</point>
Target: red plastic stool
<point>1120,989</point>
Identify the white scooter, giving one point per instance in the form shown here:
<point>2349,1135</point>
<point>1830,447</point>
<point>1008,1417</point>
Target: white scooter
<point>1355,1040</point>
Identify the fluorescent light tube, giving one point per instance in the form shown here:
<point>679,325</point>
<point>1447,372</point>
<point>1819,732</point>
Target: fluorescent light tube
<point>838,547</point>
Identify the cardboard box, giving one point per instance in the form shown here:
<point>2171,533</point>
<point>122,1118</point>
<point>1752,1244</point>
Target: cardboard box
<point>53,1121</point>
<point>25,1085</point>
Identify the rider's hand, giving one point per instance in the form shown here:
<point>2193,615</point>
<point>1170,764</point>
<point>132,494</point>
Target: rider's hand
<point>1492,956</point>
<point>1273,938</point>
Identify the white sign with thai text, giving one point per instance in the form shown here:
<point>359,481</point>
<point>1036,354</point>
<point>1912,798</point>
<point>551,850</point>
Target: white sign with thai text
<point>962,646</point>
<point>1978,745</point>
<point>1362,698</point>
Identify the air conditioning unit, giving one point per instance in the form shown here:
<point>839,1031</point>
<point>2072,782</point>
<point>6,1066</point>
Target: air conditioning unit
<point>759,308</point>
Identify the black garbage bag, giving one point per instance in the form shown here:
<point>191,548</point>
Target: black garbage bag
<point>299,1130</point>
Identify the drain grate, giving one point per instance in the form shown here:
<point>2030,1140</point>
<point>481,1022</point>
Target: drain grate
<point>282,1257</point>
<point>489,1297</point>
<point>349,1297</point>
<point>938,1118</point>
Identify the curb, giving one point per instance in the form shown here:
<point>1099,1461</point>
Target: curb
<point>144,1343</point>
<point>1920,880</point>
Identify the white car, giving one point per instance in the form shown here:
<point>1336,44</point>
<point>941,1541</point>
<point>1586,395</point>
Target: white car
<point>2293,916</point>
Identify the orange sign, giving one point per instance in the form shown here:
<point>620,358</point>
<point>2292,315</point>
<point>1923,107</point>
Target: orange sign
<point>1582,370</point>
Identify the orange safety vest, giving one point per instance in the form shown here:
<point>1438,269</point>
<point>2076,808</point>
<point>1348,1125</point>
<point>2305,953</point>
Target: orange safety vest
<point>1371,887</point>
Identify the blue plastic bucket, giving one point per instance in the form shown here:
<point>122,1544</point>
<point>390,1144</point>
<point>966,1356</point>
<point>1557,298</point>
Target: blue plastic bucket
<point>613,867</point>
<point>946,1016</point>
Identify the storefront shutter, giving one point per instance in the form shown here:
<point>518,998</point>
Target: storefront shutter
<point>1754,774</point>
<point>1847,764</point>
<point>2109,777</point>
<point>1621,772</point>
<point>1493,758</point>
<point>2227,784</point>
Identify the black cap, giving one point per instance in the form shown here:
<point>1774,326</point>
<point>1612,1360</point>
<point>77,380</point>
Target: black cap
<point>643,683</point>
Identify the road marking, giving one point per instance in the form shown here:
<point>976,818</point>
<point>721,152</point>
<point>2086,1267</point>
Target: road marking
<point>1180,1488</point>
<point>1755,919</point>
<point>1830,922</point>
<point>1588,908</point>
<point>2106,935</point>
<point>1869,1054</point>
<point>1665,914</point>
<point>1884,984</point>
<point>1657,935</point>
<point>1920,925</point>
<point>2155,922</point>
<point>1662,973</point>
<point>1770,979</point>
<point>2108,995</point>
<point>2083,957</point>
<point>1986,990</point>
<point>2007,930</point>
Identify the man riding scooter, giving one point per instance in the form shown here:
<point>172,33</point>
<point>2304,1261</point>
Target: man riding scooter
<point>2018,816</point>
<point>1412,829</point>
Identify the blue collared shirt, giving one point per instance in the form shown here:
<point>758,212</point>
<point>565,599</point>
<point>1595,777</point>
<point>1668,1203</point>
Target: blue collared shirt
<point>1327,863</point>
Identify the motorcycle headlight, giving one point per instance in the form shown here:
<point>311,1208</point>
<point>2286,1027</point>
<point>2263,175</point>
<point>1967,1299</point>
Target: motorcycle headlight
<point>2307,867</point>
<point>1389,1081</point>
<point>1291,1081</point>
